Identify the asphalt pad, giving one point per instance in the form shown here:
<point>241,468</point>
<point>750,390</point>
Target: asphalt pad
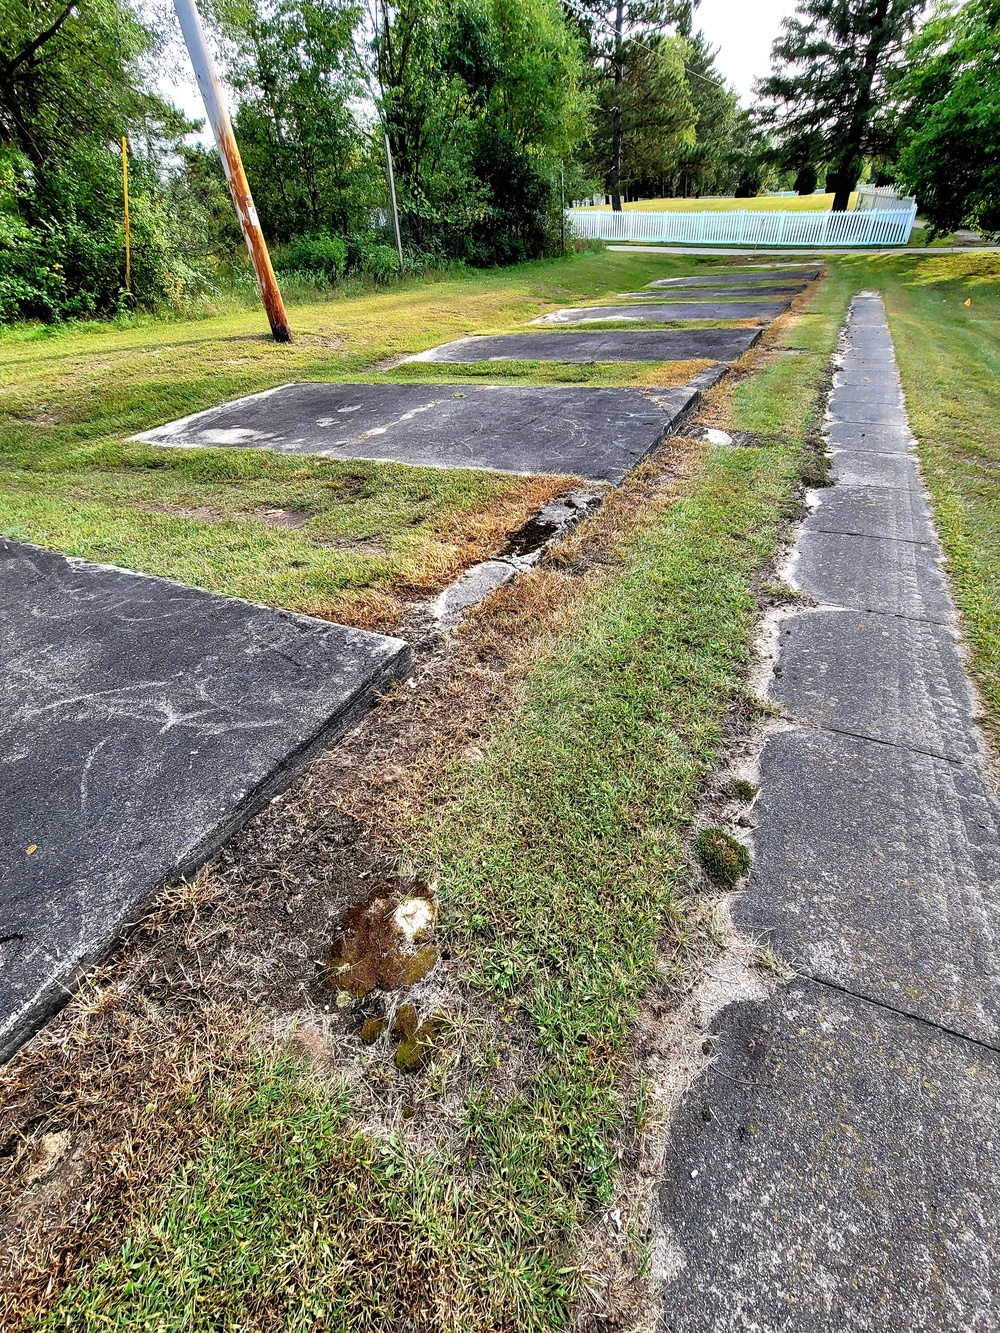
<point>585,432</point>
<point>738,292</point>
<point>603,345</point>
<point>727,277</point>
<point>834,1171</point>
<point>688,311</point>
<point>144,722</point>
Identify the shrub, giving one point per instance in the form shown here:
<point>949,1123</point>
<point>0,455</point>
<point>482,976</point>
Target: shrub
<point>380,262</point>
<point>316,252</point>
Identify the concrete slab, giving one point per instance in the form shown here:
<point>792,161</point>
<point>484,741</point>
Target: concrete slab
<point>749,278</point>
<point>603,345</point>
<point>876,869</point>
<point>143,723</point>
<point>872,511</point>
<point>860,408</point>
<point>689,312</point>
<point>737,292</point>
<point>588,432</point>
<point>884,439</point>
<point>869,574</point>
<point>857,467</point>
<point>835,1170</point>
<point>883,677</point>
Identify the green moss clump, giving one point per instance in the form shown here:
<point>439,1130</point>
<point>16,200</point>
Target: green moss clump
<point>415,1052</point>
<point>371,1030</point>
<point>723,859</point>
<point>416,968</point>
<point>743,790</point>
<point>406,1022</point>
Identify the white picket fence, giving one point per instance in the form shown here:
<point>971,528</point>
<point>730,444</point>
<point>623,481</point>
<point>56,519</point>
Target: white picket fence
<point>871,227</point>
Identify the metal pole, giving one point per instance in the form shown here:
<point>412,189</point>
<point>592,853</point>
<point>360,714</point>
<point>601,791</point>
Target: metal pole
<point>128,245</point>
<point>392,196</point>
<point>562,210</point>
<point>215,105</point>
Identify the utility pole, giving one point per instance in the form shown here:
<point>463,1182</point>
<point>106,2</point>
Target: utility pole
<point>215,105</point>
<point>392,197</point>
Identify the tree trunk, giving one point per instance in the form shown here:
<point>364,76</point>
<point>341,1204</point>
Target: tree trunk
<point>616,122</point>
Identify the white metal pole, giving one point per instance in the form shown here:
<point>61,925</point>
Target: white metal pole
<point>392,196</point>
<point>218,116</point>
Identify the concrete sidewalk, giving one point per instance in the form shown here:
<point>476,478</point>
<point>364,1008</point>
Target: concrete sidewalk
<point>837,1166</point>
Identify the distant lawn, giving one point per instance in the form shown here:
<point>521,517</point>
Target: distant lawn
<point>764,203</point>
<point>344,540</point>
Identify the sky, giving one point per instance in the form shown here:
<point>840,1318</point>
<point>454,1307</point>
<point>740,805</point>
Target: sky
<point>743,32</point>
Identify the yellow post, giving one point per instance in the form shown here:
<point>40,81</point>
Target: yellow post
<point>128,248</point>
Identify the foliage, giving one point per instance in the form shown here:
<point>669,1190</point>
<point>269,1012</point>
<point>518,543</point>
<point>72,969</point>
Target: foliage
<point>294,72</point>
<point>317,252</point>
<point>806,180</point>
<point>950,118</point>
<point>711,162</point>
<point>826,98</point>
<point>482,100</point>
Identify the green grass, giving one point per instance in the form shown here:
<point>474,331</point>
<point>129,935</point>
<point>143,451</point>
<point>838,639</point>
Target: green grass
<point>561,858</point>
<point>71,479</point>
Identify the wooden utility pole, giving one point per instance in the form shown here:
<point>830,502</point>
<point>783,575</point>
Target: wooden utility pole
<point>218,116</point>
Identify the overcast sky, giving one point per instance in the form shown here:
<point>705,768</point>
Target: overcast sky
<point>743,32</point>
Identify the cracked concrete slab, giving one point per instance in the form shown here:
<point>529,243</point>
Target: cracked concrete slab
<point>603,345</point>
<point>883,677</point>
<point>835,1170</point>
<point>884,439</point>
<point>857,405</point>
<point>144,722</point>
<point>870,574</point>
<point>872,511</point>
<point>876,869</point>
<point>688,312</point>
<point>586,432</point>
<point>853,467</point>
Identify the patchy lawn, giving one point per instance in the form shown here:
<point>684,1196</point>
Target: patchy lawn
<point>347,541</point>
<point>176,1161</point>
<point>543,776</point>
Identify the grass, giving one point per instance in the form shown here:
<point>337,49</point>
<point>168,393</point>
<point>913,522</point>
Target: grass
<point>560,853</point>
<point>343,540</point>
<point>764,203</point>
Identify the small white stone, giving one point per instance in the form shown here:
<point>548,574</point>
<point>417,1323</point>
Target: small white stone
<point>718,437</point>
<point>694,1175</point>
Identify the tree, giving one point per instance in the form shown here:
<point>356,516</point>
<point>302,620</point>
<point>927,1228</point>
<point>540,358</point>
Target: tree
<point>644,108</point>
<point>707,165</point>
<point>293,70</point>
<point>949,100</point>
<point>482,100</point>
<point>826,98</point>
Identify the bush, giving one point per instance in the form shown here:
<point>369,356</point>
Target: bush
<point>379,262</point>
<point>316,252</point>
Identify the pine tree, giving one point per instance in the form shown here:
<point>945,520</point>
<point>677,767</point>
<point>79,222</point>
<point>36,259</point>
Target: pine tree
<point>826,97</point>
